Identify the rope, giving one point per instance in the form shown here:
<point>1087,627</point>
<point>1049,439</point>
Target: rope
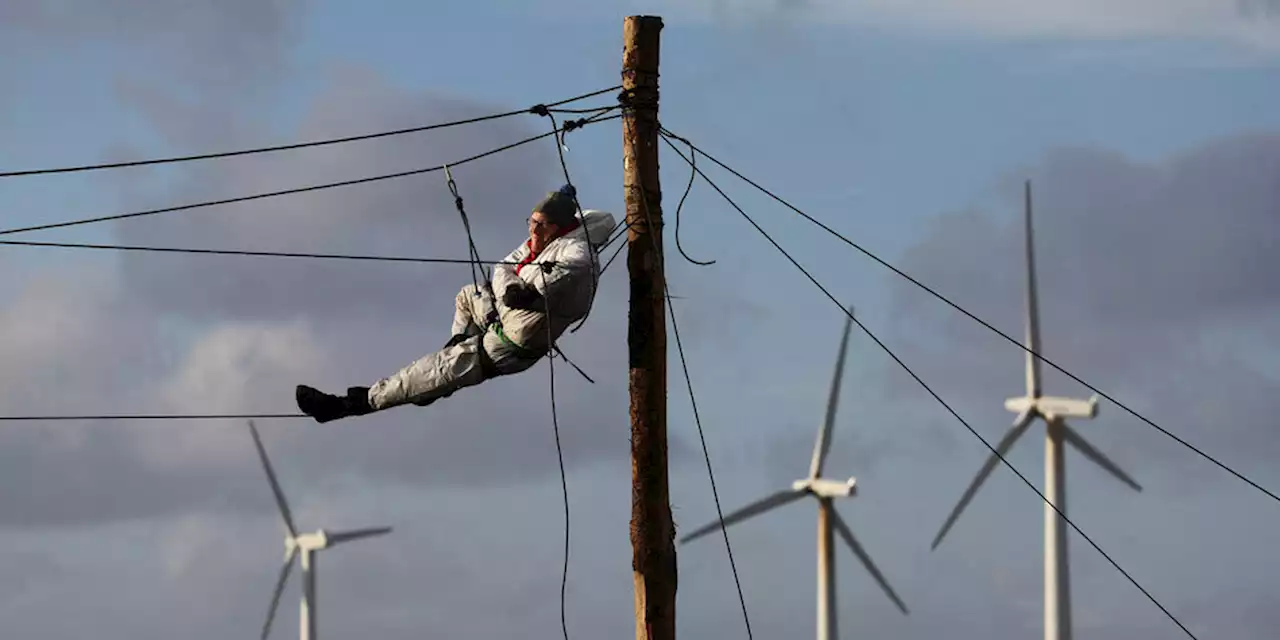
<point>272,194</point>
<point>586,233</point>
<point>237,252</point>
<point>303,145</point>
<point>692,175</point>
<point>675,328</point>
<point>616,253</point>
<point>488,282</point>
<point>944,404</point>
<point>668,134</point>
<point>471,243</point>
<point>621,228</point>
<point>564,483</point>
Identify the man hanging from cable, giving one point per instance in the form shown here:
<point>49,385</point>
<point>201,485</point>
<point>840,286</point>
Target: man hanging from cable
<point>500,327</point>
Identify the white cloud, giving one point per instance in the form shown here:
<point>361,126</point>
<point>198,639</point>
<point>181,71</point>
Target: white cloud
<point>234,368</point>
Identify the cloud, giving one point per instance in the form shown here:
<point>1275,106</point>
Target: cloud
<point>411,216</point>
<point>1253,24</point>
<point>1155,286</point>
<point>181,334</point>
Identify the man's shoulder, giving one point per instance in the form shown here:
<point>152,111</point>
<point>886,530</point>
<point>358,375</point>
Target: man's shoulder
<point>571,245</point>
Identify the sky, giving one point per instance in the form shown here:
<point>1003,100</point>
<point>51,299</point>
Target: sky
<point>1148,132</point>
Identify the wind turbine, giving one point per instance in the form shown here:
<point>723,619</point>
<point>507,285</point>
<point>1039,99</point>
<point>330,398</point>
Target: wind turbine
<point>824,491</point>
<point>1054,411</point>
<point>305,545</point>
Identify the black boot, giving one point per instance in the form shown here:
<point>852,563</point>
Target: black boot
<point>324,407</point>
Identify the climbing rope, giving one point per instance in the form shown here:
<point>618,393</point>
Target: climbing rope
<point>476,265</point>
<point>573,193</point>
<point>693,164</point>
<point>555,427</point>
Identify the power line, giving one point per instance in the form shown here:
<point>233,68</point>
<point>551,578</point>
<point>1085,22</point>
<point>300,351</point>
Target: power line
<point>316,143</point>
<point>1206,456</point>
<point>693,400</point>
<point>931,392</point>
<point>238,252</point>
<point>272,194</point>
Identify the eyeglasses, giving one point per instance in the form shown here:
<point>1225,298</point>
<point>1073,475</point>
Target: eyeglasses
<point>536,223</point>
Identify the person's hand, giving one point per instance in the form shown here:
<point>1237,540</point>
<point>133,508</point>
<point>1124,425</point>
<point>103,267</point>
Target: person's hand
<point>522,296</point>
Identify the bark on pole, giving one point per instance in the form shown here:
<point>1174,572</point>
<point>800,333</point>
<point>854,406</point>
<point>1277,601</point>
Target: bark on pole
<point>652,533</point>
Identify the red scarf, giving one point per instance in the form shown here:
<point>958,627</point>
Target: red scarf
<point>529,243</point>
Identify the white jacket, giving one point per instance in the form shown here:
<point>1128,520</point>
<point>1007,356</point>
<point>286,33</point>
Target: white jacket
<point>568,286</point>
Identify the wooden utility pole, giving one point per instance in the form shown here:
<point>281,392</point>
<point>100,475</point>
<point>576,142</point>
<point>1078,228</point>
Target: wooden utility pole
<point>653,560</point>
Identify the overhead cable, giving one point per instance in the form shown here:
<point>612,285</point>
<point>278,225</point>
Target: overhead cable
<point>650,228</point>
<point>936,397</point>
<point>668,134</point>
<point>241,252</point>
<point>314,143</point>
<point>271,194</point>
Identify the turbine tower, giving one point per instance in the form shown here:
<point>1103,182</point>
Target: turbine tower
<point>305,545</point>
<point>824,491</point>
<point>1054,411</point>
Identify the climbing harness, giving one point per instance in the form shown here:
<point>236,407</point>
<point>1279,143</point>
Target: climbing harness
<point>492,322</point>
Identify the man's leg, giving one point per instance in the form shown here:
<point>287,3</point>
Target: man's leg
<point>431,377</point>
<point>434,376</point>
<point>473,310</point>
<point>440,374</point>
<point>422,382</point>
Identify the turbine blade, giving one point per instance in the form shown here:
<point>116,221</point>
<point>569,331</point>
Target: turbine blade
<point>843,530</point>
<point>275,485</point>
<point>823,445</point>
<point>1097,457</point>
<point>760,506</point>
<point>275,596</point>
<point>1020,425</point>
<point>356,534</point>
<point>1033,307</point>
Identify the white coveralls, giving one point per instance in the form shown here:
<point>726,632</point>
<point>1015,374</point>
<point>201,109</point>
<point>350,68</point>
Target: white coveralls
<point>519,338</point>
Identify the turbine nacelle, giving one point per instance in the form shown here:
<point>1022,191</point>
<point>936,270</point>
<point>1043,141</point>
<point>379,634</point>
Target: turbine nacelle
<point>829,521</point>
<point>1056,412</point>
<point>1052,407</point>
<point>823,488</point>
<point>307,542</point>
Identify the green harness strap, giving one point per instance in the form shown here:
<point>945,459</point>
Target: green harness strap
<point>521,350</point>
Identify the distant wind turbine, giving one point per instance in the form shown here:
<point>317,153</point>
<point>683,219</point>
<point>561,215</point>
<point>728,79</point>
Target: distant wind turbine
<point>1054,411</point>
<point>824,491</point>
<point>305,545</point>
